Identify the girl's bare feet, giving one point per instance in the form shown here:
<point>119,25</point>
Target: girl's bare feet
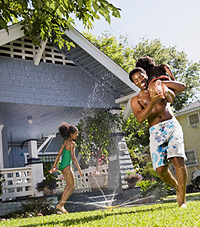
<point>169,94</point>
<point>61,208</point>
<point>159,89</point>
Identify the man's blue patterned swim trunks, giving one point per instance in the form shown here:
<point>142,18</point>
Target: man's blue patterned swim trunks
<point>166,141</point>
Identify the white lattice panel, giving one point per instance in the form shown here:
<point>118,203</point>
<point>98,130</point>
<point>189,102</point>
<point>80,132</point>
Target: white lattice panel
<point>17,182</point>
<point>82,183</point>
<point>23,48</point>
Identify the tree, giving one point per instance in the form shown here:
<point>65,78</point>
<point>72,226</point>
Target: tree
<point>117,49</point>
<point>53,17</point>
<point>94,135</point>
<point>184,70</point>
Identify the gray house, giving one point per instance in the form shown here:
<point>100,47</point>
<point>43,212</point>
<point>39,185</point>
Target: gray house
<point>42,87</point>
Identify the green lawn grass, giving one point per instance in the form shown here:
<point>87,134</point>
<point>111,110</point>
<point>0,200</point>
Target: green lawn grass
<point>166,214</point>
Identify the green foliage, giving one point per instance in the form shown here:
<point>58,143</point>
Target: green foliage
<point>36,206</point>
<point>94,134</point>
<point>136,134</point>
<point>117,49</point>
<point>49,181</point>
<point>184,71</point>
<point>152,184</point>
<point>32,207</point>
<point>44,18</point>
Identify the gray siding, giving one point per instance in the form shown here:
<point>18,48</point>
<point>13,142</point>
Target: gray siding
<point>49,84</point>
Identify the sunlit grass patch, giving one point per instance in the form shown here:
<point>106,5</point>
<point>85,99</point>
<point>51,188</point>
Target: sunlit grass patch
<point>168,214</point>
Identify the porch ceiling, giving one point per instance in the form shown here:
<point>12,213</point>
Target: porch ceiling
<point>46,120</point>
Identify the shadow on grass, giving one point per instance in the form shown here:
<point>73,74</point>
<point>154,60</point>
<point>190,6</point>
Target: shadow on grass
<point>76,221</point>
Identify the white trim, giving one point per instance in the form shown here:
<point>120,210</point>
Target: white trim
<point>46,141</point>
<point>189,119</point>
<point>125,98</point>
<point>15,32</point>
<point>40,51</point>
<point>1,148</point>
<point>128,110</point>
<point>85,44</point>
<point>195,155</point>
<point>187,111</point>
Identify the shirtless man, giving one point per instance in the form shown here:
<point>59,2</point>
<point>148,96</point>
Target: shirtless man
<point>166,136</point>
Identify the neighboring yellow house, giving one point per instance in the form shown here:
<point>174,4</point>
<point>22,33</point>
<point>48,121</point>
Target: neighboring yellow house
<point>189,118</point>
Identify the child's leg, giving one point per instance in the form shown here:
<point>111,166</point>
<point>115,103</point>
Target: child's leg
<point>155,88</point>
<point>69,178</point>
<point>169,94</point>
<point>159,89</point>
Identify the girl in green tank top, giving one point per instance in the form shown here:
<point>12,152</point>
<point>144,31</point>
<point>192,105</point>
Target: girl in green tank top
<point>69,133</point>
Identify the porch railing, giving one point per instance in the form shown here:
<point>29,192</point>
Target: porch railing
<point>82,183</point>
<point>17,182</point>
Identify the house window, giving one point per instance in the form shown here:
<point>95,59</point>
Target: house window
<point>191,157</point>
<point>193,119</point>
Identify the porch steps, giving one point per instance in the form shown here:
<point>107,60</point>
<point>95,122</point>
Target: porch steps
<point>125,164</point>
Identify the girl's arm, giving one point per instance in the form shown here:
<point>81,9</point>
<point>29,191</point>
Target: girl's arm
<point>169,72</point>
<point>57,158</point>
<point>74,158</point>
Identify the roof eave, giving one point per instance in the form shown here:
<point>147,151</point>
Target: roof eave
<point>102,58</point>
<point>14,32</point>
<point>187,111</point>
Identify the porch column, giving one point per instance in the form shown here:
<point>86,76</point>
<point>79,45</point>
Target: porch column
<point>36,166</point>
<point>114,174</point>
<point>3,148</point>
<point>32,150</point>
<point>119,160</point>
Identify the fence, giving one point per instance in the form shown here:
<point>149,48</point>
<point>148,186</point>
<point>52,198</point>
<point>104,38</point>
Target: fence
<point>18,181</point>
<point>82,183</point>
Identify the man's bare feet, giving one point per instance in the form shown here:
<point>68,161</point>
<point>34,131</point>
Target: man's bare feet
<point>61,208</point>
<point>183,205</point>
<point>181,202</point>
